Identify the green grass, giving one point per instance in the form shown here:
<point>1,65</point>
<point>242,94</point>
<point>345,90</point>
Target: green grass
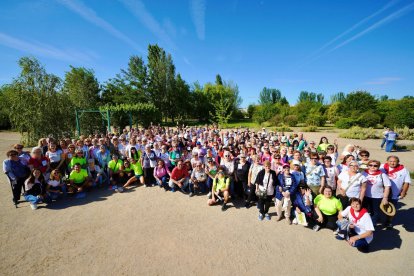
<point>412,175</point>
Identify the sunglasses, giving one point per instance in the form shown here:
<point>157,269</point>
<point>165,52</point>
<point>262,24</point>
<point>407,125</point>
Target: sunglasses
<point>372,165</point>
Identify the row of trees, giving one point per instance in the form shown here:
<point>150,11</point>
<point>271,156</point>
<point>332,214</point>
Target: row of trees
<point>37,103</point>
<point>359,108</point>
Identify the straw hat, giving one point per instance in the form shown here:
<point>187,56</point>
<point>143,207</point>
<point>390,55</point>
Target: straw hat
<point>388,209</point>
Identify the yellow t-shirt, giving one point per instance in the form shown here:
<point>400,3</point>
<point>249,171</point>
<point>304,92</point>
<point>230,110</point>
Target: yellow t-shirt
<point>221,183</point>
<point>137,168</point>
<point>115,166</point>
<point>78,177</point>
<point>80,160</point>
<point>328,206</point>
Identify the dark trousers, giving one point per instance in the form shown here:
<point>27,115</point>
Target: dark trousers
<point>149,176</point>
<point>264,204</point>
<point>329,221</point>
<point>373,206</point>
<point>251,193</point>
<point>17,189</point>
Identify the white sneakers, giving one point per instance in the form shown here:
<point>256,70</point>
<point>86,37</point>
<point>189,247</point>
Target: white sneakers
<point>33,206</point>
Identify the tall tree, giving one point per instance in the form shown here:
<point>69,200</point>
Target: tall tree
<point>271,96</point>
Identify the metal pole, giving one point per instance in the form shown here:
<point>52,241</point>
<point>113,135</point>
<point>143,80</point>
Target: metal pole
<point>77,122</point>
<point>108,116</point>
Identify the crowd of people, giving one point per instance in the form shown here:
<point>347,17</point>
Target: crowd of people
<point>309,183</point>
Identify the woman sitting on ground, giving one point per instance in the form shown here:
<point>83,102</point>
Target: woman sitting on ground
<point>56,158</point>
<point>162,174</point>
<point>55,186</point>
<point>326,207</point>
<point>35,188</point>
<point>220,190</point>
<point>198,178</point>
<point>95,173</point>
<point>138,173</point>
<point>359,232</point>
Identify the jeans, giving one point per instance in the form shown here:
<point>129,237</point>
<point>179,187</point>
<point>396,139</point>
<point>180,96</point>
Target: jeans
<point>32,199</point>
<point>389,145</point>
<point>185,185</point>
<point>384,140</point>
<point>164,182</point>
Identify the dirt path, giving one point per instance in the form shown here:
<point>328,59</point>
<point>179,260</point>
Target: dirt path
<point>147,231</point>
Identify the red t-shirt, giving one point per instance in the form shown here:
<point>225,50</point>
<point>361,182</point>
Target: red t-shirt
<point>39,164</point>
<point>178,174</point>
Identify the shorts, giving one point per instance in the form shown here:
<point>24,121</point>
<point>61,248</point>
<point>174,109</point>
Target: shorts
<point>138,176</point>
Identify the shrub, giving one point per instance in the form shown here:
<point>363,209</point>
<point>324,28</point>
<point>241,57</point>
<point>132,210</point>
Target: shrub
<point>344,123</point>
<point>360,133</point>
<point>315,120</point>
<point>283,128</point>
<point>405,133</point>
<point>276,120</point>
<point>369,119</point>
<point>310,129</point>
<point>291,120</point>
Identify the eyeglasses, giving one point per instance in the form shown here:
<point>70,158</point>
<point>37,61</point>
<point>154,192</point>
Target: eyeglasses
<point>226,155</point>
<point>306,151</point>
<point>277,157</point>
<point>372,165</point>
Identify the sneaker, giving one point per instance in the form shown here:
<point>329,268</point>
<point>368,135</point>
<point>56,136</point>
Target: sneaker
<point>224,207</point>
<point>316,228</point>
<point>173,190</point>
<point>340,237</point>
<point>33,206</point>
<point>247,205</point>
<point>363,249</point>
<point>120,189</point>
<point>295,221</point>
<point>260,216</point>
<point>190,194</point>
<point>209,194</point>
<point>336,232</point>
<point>267,216</point>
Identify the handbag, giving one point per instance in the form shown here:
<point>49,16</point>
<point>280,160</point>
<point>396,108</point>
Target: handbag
<point>262,193</point>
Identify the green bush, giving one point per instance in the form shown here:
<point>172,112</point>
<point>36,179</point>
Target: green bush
<point>344,123</point>
<point>405,133</point>
<point>315,120</point>
<point>276,120</point>
<point>283,128</point>
<point>310,129</point>
<point>291,120</point>
<point>369,119</point>
<point>357,132</point>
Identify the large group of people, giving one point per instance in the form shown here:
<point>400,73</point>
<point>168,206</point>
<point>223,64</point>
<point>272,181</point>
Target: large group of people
<point>310,184</point>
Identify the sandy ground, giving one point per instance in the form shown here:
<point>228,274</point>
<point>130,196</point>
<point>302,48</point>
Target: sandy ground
<point>147,231</point>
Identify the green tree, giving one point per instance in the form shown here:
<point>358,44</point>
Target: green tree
<point>82,89</point>
<point>37,109</point>
<point>271,96</point>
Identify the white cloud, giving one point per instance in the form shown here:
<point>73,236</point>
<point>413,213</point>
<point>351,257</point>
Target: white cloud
<point>45,50</point>
<point>90,15</point>
<point>383,81</point>
<point>198,14</point>
<point>139,10</point>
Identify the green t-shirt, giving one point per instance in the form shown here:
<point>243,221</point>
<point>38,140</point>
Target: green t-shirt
<point>78,177</point>
<point>115,166</point>
<point>174,155</point>
<point>137,168</point>
<point>80,160</point>
<point>328,206</point>
<point>221,183</point>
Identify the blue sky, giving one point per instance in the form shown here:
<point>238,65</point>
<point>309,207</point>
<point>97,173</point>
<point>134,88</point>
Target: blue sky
<point>317,46</point>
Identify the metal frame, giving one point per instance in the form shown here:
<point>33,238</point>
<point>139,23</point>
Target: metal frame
<point>106,115</point>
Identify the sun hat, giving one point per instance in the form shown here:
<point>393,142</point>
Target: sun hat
<point>296,162</point>
<point>388,209</point>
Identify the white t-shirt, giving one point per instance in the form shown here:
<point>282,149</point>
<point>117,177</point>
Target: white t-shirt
<point>397,180</point>
<point>356,182</point>
<point>375,184</point>
<point>53,183</point>
<point>363,225</point>
<point>330,176</point>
